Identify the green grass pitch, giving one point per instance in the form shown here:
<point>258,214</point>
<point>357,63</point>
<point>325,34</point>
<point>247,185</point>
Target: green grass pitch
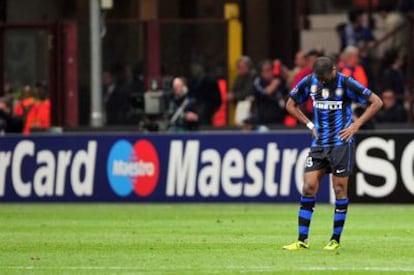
<point>199,239</point>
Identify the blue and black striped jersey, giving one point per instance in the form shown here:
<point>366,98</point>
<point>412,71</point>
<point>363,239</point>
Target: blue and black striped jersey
<point>331,105</point>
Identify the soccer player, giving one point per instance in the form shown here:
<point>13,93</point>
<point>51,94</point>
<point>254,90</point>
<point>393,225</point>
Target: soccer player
<point>332,149</point>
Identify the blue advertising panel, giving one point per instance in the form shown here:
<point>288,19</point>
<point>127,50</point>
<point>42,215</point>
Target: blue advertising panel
<point>227,167</point>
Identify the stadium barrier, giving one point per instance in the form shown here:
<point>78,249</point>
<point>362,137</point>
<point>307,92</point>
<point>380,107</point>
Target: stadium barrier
<point>216,167</point>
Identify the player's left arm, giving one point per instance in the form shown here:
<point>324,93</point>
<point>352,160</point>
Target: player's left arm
<point>375,104</point>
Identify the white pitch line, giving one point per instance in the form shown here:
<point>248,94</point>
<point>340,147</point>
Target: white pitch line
<point>368,268</point>
<point>89,268</point>
<point>230,268</point>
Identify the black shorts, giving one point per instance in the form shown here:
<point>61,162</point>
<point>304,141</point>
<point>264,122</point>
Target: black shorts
<point>338,160</point>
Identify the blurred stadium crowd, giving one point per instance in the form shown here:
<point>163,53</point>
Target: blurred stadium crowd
<point>258,93</point>
<point>25,109</point>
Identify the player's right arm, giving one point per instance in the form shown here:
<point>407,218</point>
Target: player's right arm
<point>297,96</point>
<point>293,108</point>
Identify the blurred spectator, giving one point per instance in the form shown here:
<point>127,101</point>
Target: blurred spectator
<point>38,117</point>
<point>134,80</point>
<point>391,76</point>
<point>300,63</point>
<point>242,86</point>
<point>115,99</point>
<point>8,102</point>
<point>242,89</point>
<point>204,89</point>
<point>354,33</point>
<point>8,122</point>
<point>393,19</point>
<point>37,89</point>
<point>269,102</point>
<point>25,103</point>
<point>306,69</point>
<point>280,70</point>
<point>305,64</point>
<point>350,65</point>
<point>340,32</point>
<point>183,115</point>
<point>391,111</point>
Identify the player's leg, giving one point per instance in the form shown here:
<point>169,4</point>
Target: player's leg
<point>342,159</point>
<point>307,203</point>
<point>314,171</point>
<point>340,186</point>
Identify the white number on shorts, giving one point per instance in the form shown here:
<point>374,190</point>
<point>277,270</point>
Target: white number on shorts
<point>309,162</point>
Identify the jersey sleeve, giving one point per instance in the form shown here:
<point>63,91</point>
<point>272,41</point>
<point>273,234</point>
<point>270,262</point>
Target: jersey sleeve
<point>357,92</point>
<point>300,92</point>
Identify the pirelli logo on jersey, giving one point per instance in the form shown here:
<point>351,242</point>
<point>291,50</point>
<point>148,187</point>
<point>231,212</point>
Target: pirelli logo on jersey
<point>328,105</point>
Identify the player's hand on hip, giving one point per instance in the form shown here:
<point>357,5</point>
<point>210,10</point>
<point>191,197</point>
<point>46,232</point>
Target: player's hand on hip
<point>347,133</point>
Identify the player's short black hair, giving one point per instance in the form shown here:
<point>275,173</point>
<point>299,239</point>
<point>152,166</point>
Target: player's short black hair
<point>323,66</point>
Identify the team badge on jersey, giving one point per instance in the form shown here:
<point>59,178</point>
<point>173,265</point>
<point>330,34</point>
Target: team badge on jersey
<point>339,92</point>
<point>325,93</point>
